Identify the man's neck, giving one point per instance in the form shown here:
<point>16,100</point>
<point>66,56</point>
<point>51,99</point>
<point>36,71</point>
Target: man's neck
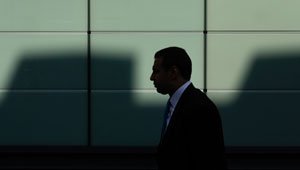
<point>177,85</point>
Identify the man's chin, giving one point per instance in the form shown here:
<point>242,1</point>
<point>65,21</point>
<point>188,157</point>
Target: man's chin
<point>161,92</point>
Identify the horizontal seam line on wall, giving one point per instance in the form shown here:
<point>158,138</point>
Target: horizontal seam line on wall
<point>41,91</point>
<point>43,31</point>
<point>74,90</point>
<point>99,32</point>
<point>257,90</point>
<point>200,31</point>
<point>140,90</point>
<point>122,91</point>
<point>253,31</point>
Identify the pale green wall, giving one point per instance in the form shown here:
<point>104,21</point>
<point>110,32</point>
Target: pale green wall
<point>253,61</point>
<point>252,51</point>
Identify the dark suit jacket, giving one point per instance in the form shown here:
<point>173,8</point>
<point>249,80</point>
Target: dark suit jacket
<point>194,137</point>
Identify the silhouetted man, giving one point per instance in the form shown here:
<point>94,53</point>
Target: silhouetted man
<point>192,136</point>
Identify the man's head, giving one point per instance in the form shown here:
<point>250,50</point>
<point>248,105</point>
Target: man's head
<point>172,67</point>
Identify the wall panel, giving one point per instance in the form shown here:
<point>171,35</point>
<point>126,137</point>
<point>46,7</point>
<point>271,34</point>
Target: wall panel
<point>43,61</point>
<point>253,15</point>
<point>120,118</point>
<point>43,118</point>
<point>144,15</point>
<point>260,61</point>
<point>43,15</point>
<point>259,118</point>
<point>136,52</point>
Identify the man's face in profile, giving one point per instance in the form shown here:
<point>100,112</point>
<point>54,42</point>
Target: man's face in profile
<point>160,77</point>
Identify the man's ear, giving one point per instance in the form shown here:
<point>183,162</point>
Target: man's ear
<point>174,72</point>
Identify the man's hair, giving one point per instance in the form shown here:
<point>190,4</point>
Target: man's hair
<point>176,56</point>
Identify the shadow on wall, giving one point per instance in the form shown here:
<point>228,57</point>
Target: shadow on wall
<point>266,111</point>
<point>46,103</point>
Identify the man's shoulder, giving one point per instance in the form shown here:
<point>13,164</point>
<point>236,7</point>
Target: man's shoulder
<point>194,96</point>
<point>193,92</point>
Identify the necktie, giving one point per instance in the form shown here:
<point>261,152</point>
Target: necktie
<point>166,117</point>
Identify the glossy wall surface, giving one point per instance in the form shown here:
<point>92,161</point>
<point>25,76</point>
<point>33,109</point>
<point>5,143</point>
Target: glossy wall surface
<point>244,53</point>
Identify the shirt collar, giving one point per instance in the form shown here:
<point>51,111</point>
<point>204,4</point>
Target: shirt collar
<point>176,96</point>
